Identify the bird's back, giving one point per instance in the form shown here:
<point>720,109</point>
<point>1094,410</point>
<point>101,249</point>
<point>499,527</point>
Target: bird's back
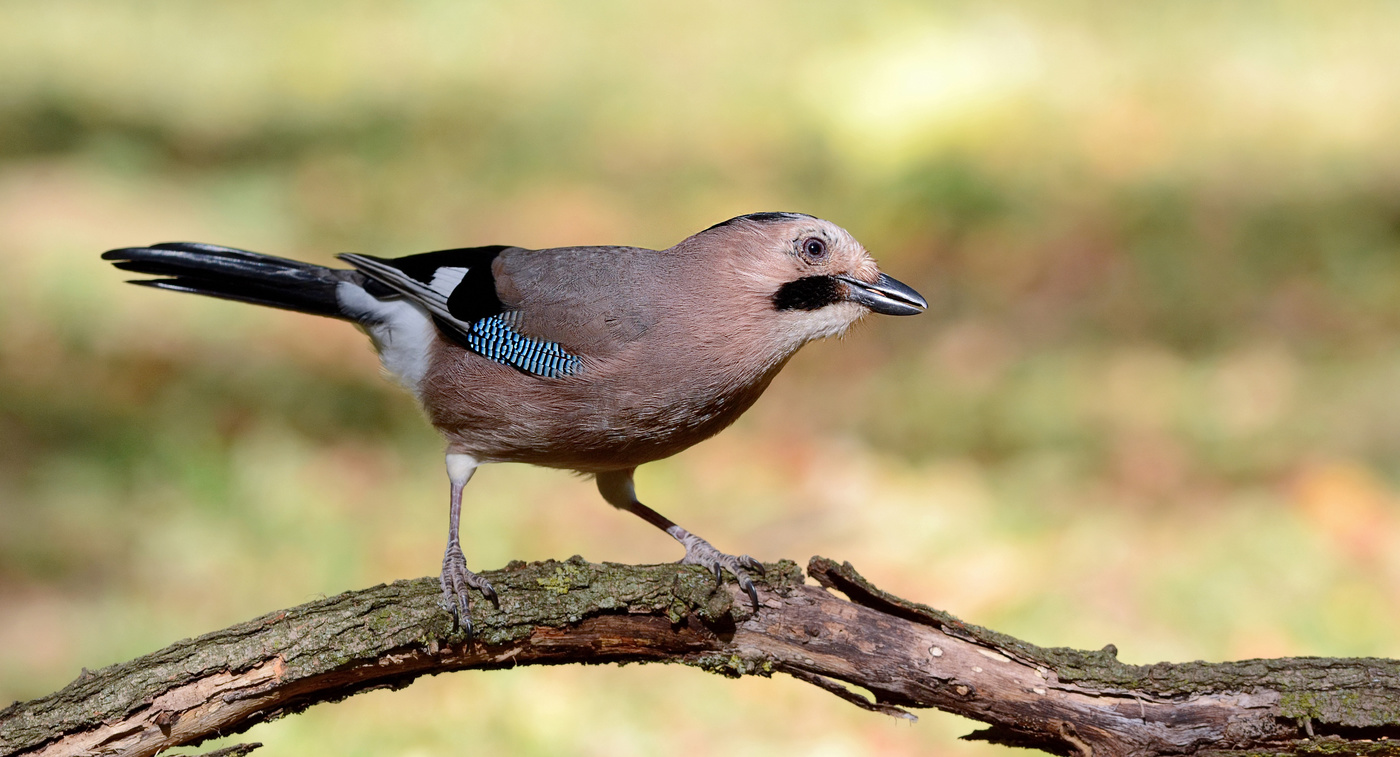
<point>658,369</point>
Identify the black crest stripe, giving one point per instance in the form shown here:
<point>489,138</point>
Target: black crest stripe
<point>767,217</point>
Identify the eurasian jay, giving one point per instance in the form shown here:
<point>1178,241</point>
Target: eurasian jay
<point>593,359</point>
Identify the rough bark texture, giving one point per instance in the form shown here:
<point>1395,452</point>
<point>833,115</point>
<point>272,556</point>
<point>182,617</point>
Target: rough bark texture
<point>1063,701</point>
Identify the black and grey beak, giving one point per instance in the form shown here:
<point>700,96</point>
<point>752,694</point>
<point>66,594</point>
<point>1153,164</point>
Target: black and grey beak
<point>887,295</point>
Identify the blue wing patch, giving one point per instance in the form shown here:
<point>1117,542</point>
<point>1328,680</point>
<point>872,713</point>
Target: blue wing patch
<point>493,337</point>
<point>457,288</point>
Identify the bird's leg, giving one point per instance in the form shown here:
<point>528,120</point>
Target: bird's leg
<point>455,577</point>
<point>616,487</point>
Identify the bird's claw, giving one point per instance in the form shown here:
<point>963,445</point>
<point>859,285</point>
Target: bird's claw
<point>753,565</point>
<point>456,581</point>
<point>700,552</point>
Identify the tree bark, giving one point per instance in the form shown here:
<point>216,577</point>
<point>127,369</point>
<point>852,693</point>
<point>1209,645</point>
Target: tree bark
<point>902,654</point>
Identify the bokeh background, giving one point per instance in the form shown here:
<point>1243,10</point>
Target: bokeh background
<point>1156,401</point>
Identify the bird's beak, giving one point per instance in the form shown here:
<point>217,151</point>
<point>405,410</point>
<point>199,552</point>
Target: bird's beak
<point>887,295</point>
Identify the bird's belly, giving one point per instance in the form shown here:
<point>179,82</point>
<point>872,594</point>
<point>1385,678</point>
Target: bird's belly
<point>605,423</point>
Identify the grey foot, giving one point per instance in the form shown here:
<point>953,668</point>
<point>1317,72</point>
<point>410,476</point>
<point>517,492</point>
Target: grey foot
<point>456,580</point>
<point>700,552</point>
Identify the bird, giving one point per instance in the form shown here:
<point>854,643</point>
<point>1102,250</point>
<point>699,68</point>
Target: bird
<point>595,359</point>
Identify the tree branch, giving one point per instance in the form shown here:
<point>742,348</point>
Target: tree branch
<point>1063,701</point>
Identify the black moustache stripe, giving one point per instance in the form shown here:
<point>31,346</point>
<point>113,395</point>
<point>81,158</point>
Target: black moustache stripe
<point>808,293</point>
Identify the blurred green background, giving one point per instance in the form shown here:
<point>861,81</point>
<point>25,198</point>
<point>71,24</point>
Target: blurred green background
<point>1156,401</point>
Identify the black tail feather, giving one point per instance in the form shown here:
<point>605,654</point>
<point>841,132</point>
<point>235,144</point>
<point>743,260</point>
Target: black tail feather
<point>236,275</point>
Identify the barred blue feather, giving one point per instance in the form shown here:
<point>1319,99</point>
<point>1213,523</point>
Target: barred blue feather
<point>458,289</point>
<point>492,337</point>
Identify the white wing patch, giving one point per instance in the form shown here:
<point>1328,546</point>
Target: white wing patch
<point>446,279</point>
<point>492,336</point>
<point>432,299</point>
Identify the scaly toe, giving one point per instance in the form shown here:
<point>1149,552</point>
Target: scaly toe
<point>454,600</point>
<point>700,552</point>
<point>457,582</point>
<point>746,584</point>
<point>483,586</point>
<point>753,565</point>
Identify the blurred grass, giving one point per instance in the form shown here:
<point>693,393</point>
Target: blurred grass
<point>1153,404</point>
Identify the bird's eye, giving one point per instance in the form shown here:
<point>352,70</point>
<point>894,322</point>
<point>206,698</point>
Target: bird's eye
<point>814,249</point>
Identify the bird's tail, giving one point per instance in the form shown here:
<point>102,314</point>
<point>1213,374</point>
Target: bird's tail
<point>238,275</point>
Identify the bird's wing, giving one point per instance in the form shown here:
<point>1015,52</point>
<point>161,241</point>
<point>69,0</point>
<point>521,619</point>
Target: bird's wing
<point>539,311</point>
<point>595,300</point>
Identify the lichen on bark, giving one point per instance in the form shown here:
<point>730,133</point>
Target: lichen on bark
<point>902,653</point>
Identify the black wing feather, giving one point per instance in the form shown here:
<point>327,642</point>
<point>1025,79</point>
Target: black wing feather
<point>470,313</point>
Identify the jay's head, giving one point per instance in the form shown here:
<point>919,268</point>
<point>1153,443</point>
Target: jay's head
<point>810,276</point>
